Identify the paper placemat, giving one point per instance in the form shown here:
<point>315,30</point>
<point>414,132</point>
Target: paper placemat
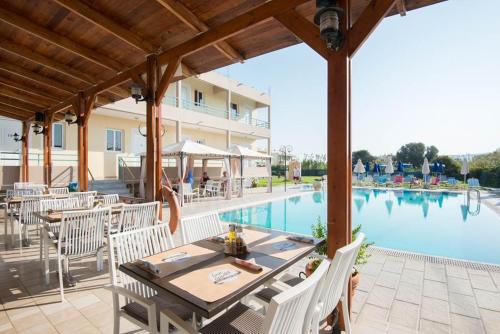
<point>217,280</point>
<point>281,247</point>
<point>178,258</point>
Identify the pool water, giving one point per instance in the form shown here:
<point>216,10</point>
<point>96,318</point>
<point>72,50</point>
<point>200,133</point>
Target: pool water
<point>433,223</point>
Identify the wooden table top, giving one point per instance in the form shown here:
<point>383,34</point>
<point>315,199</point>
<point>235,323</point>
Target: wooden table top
<point>55,216</point>
<point>209,309</point>
<point>18,200</point>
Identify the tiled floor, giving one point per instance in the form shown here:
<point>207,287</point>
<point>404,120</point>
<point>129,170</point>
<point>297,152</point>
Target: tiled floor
<point>396,295</point>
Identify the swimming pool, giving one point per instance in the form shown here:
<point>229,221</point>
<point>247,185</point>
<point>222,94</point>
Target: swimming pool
<point>433,223</point>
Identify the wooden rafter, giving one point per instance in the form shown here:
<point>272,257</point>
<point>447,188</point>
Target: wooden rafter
<point>22,96</point>
<point>166,79</point>
<point>35,77</point>
<point>59,40</point>
<point>305,30</point>
<point>90,14</point>
<point>29,90</point>
<point>401,6</point>
<point>12,115</point>
<point>373,14</point>
<point>21,105</point>
<point>16,111</point>
<point>192,21</point>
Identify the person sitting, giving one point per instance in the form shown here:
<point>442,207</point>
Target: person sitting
<point>203,180</point>
<point>224,181</point>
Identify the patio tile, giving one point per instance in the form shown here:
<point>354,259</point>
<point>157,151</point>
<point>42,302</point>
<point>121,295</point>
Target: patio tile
<point>397,329</point>
<point>373,269</point>
<point>477,272</point>
<point>430,327</point>
<point>488,300</point>
<point>72,325</point>
<point>393,266</point>
<point>458,285</point>
<point>29,321</point>
<point>465,325</point>
<point>404,314</point>
<point>366,282</point>
<point>409,293</point>
<point>412,276</point>
<point>41,328</point>
<point>464,305</point>
<point>381,296</point>
<point>84,301</point>
<point>378,258</point>
<point>414,264</point>
<point>367,328</point>
<point>435,310</point>
<point>435,289</point>
<point>482,282</point>
<point>388,279</point>
<point>491,321</point>
<point>373,315</point>
<point>496,278</point>
<point>454,271</point>
<point>435,272</point>
<point>358,301</point>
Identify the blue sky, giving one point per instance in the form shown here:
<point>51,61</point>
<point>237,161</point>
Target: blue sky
<point>432,76</point>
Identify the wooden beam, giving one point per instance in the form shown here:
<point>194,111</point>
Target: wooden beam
<point>30,90</point>
<point>61,41</point>
<point>151,149</point>
<point>12,115</point>
<point>40,59</point>
<point>35,77</point>
<point>373,14</point>
<point>25,176</point>
<point>166,79</point>
<point>192,21</point>
<point>401,6</point>
<point>16,111</point>
<point>88,13</point>
<point>304,30</point>
<point>4,100</point>
<point>15,94</point>
<point>83,108</point>
<point>47,150</point>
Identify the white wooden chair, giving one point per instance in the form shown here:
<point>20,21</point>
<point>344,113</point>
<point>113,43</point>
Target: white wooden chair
<point>29,205</point>
<point>200,227</point>
<point>59,191</point>
<point>86,198</point>
<point>139,303</point>
<point>23,185</point>
<point>334,289</point>
<point>109,199</point>
<point>81,234</point>
<point>23,192</point>
<point>286,314</point>
<point>212,189</point>
<point>189,193</point>
<point>136,216</point>
<point>56,205</point>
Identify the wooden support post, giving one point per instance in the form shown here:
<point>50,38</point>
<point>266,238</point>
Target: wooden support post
<point>47,150</point>
<point>83,108</point>
<point>25,176</point>
<point>151,185</point>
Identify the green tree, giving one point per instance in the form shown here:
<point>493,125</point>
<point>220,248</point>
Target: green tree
<point>452,166</point>
<point>364,155</point>
<point>411,153</point>
<point>431,152</point>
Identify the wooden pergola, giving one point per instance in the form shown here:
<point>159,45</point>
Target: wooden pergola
<point>58,55</point>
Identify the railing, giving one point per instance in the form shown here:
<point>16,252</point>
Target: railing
<point>36,159</point>
<point>204,108</point>
<point>92,179</point>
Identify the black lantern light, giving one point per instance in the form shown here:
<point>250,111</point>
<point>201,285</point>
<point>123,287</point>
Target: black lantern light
<point>136,92</point>
<point>327,17</point>
<point>38,129</point>
<point>16,137</point>
<point>70,118</point>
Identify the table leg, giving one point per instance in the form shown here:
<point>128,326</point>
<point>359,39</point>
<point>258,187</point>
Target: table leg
<point>46,256</point>
<point>12,236</point>
<point>6,222</point>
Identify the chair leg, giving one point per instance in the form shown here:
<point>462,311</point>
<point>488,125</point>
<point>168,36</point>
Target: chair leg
<point>100,259</point>
<point>46,259</point>
<point>116,314</point>
<point>61,283</point>
<point>20,239</point>
<point>40,232</point>
<point>345,311</point>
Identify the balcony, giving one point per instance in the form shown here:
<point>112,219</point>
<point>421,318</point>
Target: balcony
<point>217,112</point>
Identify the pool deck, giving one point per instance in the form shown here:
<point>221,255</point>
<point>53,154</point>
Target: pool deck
<point>398,293</point>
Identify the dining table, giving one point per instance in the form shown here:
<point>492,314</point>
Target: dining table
<point>194,275</point>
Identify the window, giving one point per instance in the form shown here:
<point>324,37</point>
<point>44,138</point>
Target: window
<point>114,140</point>
<point>200,141</point>
<point>234,110</point>
<point>198,97</point>
<point>57,135</point>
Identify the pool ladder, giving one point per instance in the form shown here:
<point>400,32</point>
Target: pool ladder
<point>478,203</point>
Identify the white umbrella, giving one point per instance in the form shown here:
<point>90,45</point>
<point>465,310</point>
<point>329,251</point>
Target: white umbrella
<point>359,168</point>
<point>465,169</point>
<point>389,169</point>
<point>425,168</point>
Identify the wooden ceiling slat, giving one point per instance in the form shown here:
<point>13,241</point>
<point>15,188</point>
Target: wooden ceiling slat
<point>59,40</point>
<point>22,72</point>
<point>15,116</point>
<point>23,96</point>
<point>35,57</point>
<point>29,90</point>
<point>192,21</point>
<point>16,111</point>
<point>88,13</point>
<point>8,101</point>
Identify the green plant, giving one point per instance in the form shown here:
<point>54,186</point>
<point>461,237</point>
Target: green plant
<point>319,231</point>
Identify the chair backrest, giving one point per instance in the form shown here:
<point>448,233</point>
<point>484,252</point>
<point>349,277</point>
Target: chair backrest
<point>133,245</point>
<point>59,204</point>
<point>338,275</point>
<point>23,192</point>
<point>287,311</point>
<point>452,181</point>
<point>109,199</point>
<point>29,205</point>
<point>59,191</point>
<point>136,216</point>
<point>82,232</point>
<point>22,185</point>
<point>86,198</point>
<point>200,227</point>
<point>187,189</point>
